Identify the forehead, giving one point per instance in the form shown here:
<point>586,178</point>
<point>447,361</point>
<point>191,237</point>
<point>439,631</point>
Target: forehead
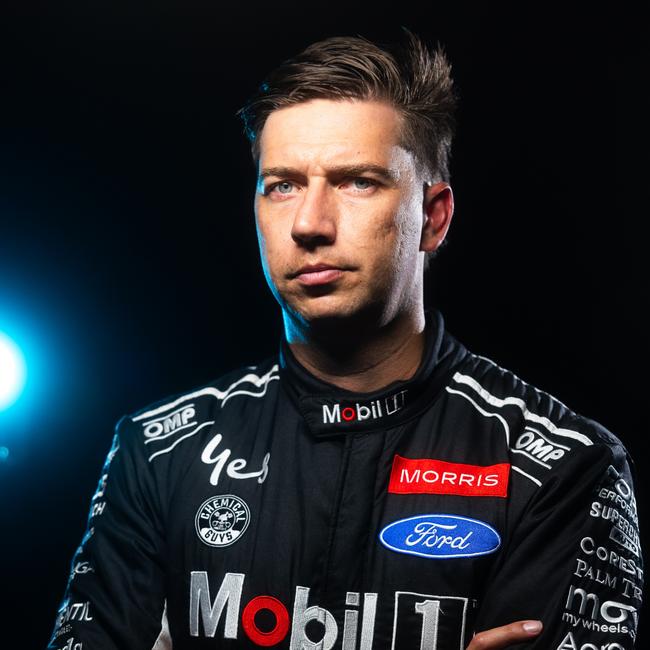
<point>324,131</point>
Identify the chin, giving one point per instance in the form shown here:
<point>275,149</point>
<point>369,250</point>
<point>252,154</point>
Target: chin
<point>332,310</point>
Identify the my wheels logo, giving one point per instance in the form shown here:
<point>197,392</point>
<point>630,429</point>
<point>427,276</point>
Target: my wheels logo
<point>222,520</point>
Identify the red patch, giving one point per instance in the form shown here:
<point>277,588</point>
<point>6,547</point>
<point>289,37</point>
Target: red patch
<point>429,476</point>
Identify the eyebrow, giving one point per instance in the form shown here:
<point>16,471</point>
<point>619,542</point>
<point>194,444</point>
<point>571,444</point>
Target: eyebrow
<point>386,174</point>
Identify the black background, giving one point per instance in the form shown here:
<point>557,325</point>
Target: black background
<point>128,256</point>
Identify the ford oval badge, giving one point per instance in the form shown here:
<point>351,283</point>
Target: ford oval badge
<point>440,536</point>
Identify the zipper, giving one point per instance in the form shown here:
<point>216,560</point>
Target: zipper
<point>340,483</point>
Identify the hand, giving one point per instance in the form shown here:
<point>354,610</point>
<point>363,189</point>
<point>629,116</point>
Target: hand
<point>502,637</point>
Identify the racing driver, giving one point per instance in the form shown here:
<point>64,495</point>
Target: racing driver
<point>375,485</point>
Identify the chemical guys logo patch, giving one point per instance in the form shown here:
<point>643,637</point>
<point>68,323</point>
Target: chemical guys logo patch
<point>430,476</point>
<point>222,520</point>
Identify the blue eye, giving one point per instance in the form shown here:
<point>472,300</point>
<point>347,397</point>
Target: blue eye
<point>286,187</point>
<point>274,186</point>
<point>364,180</point>
<point>278,185</point>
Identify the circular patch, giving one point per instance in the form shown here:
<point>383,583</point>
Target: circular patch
<point>222,520</point>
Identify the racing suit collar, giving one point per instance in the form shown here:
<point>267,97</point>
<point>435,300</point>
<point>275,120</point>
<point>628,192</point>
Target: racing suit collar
<point>330,410</point>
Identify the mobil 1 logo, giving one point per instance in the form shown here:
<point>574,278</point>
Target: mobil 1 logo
<point>441,621</point>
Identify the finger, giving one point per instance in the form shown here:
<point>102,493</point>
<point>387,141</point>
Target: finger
<point>502,637</point>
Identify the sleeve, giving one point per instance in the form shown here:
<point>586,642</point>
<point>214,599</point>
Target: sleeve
<point>115,595</point>
<point>574,560</point>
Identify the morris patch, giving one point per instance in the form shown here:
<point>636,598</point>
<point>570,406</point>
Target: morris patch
<point>431,476</point>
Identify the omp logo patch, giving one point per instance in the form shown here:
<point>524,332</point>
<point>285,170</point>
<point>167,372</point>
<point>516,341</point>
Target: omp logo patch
<point>181,418</point>
<point>431,476</point>
<point>538,447</point>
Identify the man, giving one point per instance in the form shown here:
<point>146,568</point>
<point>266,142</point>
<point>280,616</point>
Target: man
<point>376,484</point>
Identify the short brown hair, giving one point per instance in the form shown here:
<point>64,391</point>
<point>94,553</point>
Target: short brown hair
<point>413,79</point>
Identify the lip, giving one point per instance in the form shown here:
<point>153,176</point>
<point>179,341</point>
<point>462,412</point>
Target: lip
<point>319,275</point>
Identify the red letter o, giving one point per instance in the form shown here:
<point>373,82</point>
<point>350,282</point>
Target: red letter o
<point>281,620</point>
<point>351,413</point>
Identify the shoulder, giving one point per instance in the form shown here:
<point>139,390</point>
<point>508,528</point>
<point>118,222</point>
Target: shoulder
<point>200,404</point>
<point>543,434</point>
<point>499,387</point>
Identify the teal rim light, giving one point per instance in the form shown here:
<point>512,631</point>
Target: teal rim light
<point>13,371</point>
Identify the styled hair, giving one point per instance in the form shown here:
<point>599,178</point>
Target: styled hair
<point>410,77</point>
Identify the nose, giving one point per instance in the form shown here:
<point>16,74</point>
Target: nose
<point>315,220</point>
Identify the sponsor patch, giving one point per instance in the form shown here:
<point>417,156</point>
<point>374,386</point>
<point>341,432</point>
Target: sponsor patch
<point>165,425</point>
<point>430,476</point>
<point>586,610</point>
<point>71,644</point>
<point>350,413</point>
<point>222,520</point>
<point>439,536</point>
<point>569,643</point>
<point>420,620</point>
<point>209,457</point>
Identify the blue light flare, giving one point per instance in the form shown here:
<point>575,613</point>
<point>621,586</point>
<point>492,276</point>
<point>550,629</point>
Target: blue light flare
<point>13,371</point>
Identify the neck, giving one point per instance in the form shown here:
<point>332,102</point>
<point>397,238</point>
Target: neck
<point>360,353</point>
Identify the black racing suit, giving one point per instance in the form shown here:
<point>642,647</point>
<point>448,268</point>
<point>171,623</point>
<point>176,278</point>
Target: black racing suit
<point>272,509</point>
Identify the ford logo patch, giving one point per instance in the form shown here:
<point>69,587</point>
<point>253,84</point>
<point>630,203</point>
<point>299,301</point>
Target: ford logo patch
<point>440,536</point>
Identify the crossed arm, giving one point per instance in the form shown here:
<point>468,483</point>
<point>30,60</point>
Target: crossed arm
<point>502,637</point>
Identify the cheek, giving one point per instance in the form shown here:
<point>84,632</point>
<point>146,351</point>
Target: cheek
<point>387,244</point>
<point>263,247</point>
<point>409,229</point>
<point>264,236</point>
<point>273,249</point>
<point>375,238</point>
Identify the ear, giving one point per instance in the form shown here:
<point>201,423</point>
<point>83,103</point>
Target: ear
<point>437,211</point>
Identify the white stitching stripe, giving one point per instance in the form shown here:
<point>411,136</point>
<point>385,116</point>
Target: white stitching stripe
<point>516,401</point>
<point>187,435</point>
<point>521,471</point>
<point>483,411</point>
<point>215,392</point>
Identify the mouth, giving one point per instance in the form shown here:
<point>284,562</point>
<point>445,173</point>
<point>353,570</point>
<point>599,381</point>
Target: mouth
<point>316,274</point>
